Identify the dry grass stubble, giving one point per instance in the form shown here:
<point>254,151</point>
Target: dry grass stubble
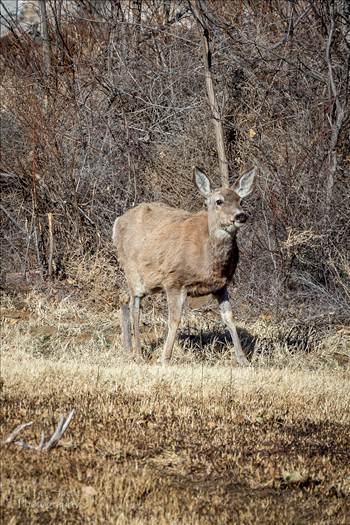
<point>196,442</point>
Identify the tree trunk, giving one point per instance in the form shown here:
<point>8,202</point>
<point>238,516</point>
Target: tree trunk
<point>46,48</point>
<point>336,121</point>
<point>217,121</point>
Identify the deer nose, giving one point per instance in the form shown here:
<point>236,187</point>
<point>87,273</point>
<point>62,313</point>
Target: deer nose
<point>241,217</point>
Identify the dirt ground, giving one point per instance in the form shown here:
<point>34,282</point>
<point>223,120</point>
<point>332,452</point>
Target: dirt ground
<point>199,442</point>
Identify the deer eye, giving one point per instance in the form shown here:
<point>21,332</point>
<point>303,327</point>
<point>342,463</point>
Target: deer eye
<point>219,202</point>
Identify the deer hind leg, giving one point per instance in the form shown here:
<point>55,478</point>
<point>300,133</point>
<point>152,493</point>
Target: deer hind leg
<point>176,300</point>
<point>227,317</point>
<point>126,327</point>
<point>135,315</point>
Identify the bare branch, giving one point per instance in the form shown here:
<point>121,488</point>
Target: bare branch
<point>23,444</point>
<point>328,58</point>
<point>42,441</point>
<point>9,216</point>
<point>56,436</point>
<point>337,123</point>
<point>46,46</point>
<point>219,132</point>
<point>49,217</point>
<point>17,430</point>
<point>60,430</point>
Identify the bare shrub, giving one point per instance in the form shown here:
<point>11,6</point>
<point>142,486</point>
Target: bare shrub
<point>121,115</point>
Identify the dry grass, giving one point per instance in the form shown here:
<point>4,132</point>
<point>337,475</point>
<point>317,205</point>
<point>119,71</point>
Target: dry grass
<point>200,441</point>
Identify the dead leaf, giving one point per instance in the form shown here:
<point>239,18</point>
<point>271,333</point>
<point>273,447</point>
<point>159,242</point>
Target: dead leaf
<point>267,316</point>
<point>87,491</point>
<point>292,476</point>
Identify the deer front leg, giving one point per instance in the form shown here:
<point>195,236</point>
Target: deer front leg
<point>176,300</point>
<point>227,317</point>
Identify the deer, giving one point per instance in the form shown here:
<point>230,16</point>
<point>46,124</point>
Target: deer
<point>161,248</point>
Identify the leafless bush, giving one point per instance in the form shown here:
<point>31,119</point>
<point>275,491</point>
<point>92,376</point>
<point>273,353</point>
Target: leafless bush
<point>119,115</point>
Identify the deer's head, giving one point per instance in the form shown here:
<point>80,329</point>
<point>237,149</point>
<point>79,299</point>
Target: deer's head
<point>225,213</point>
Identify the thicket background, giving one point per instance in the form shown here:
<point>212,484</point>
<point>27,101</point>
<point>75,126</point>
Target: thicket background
<point>110,109</point>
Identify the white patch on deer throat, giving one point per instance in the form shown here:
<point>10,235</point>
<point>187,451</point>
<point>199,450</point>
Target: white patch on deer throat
<point>139,289</point>
<point>222,234</point>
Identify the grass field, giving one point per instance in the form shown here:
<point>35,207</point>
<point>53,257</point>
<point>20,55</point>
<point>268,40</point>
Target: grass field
<point>198,442</point>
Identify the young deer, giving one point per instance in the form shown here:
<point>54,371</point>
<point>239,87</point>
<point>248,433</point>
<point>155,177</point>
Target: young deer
<point>182,253</point>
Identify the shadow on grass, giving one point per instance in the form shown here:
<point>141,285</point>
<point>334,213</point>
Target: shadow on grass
<point>215,343</point>
<point>204,344</point>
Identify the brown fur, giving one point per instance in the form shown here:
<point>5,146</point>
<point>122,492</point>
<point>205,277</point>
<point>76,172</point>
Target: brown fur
<point>160,245</point>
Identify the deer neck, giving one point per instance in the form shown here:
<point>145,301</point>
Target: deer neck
<point>222,246</point>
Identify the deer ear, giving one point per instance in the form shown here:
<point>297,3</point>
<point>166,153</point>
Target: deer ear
<point>202,182</point>
<point>245,184</point>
